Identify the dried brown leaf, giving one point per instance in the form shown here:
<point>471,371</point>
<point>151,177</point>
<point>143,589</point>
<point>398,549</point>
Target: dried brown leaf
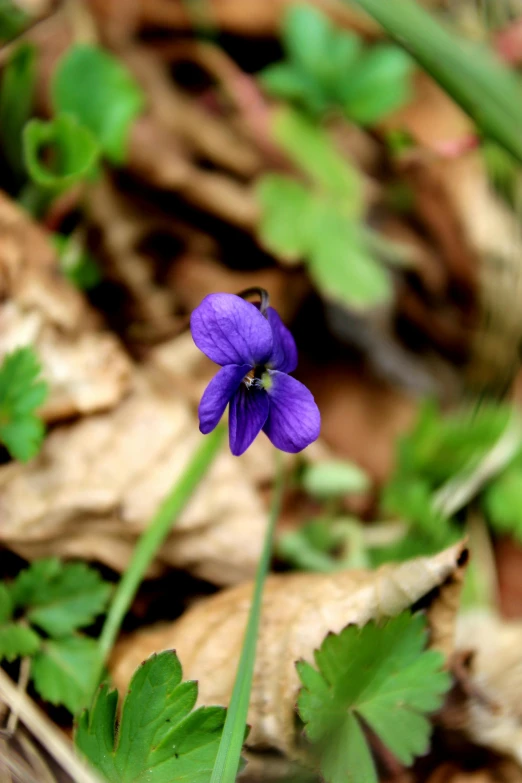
<point>299,610</point>
<point>493,708</point>
<point>104,477</point>
<point>86,368</point>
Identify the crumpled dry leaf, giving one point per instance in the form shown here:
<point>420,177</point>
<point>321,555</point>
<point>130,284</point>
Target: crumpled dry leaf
<point>257,17</point>
<point>104,477</point>
<point>86,368</point>
<point>299,609</point>
<point>493,711</point>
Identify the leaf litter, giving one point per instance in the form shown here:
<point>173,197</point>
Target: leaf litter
<point>179,216</point>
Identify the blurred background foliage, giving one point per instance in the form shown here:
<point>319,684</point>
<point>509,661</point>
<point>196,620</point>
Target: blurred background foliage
<point>360,160</point>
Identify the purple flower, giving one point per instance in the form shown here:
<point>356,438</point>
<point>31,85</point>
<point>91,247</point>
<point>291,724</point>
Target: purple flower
<point>256,353</point>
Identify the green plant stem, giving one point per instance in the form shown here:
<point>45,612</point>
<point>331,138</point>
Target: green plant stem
<point>472,75</point>
<point>152,539</point>
<point>227,761</point>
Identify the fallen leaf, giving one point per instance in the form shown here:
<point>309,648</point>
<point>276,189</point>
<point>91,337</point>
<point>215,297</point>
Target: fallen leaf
<point>493,710</point>
<point>299,610</point>
<point>104,477</point>
<point>85,367</point>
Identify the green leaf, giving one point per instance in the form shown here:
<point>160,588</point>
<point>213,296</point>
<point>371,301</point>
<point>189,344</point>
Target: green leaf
<point>284,224</point>
<point>328,68</point>
<point>486,89</point>
<point>340,262</point>
<point>311,547</point>
<point>21,393</point>
<point>161,739</point>
<point>71,150</point>
<point>312,150</point>
<point>17,640</point>
<point>334,478</point>
<point>109,101</point>
<point>440,446</point>
<point>63,671</point>
<point>283,81</point>
<point>307,35</point>
<point>6,604</point>
<point>379,85</point>
<point>60,597</point>
<point>16,102</point>
<point>502,502</point>
<point>376,675</point>
<point>321,224</point>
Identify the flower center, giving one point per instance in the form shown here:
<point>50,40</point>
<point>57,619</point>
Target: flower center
<point>259,378</point>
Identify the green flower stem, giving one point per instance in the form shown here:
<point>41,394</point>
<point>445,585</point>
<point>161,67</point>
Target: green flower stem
<point>229,753</point>
<point>152,539</point>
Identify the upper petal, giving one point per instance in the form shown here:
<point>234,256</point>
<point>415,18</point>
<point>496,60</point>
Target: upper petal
<point>284,351</point>
<point>248,412</point>
<point>293,420</point>
<point>230,330</point>
<point>217,395</point>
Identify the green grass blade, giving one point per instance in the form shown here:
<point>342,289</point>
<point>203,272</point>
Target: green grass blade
<point>152,539</point>
<point>487,90</point>
<point>229,753</point>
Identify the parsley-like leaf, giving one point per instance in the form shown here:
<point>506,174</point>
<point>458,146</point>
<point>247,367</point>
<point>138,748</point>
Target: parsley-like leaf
<point>63,670</point>
<point>330,68</point>
<point>21,393</point>
<point>17,640</point>
<point>60,597</point>
<point>321,222</point>
<point>160,739</point>
<point>376,675</point>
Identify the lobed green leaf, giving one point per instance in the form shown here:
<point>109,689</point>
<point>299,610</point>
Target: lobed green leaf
<point>161,739</point>
<point>60,597</point>
<point>328,68</point>
<point>63,671</point>
<point>17,641</point>
<point>380,676</point>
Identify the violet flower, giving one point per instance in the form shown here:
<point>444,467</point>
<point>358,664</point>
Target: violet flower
<point>256,352</point>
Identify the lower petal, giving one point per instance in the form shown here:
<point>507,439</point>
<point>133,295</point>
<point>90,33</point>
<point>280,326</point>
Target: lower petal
<point>218,393</point>
<point>248,412</point>
<point>294,420</point>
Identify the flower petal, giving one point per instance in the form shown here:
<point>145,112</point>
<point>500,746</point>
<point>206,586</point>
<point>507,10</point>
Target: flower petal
<point>284,352</point>
<point>230,330</point>
<point>294,420</point>
<point>218,393</point>
<point>248,412</point>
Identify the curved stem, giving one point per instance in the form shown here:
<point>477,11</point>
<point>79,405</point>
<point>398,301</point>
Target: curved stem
<point>151,540</point>
<point>229,752</point>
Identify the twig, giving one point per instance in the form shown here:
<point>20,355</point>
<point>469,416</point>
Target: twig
<point>45,730</point>
<point>23,681</point>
